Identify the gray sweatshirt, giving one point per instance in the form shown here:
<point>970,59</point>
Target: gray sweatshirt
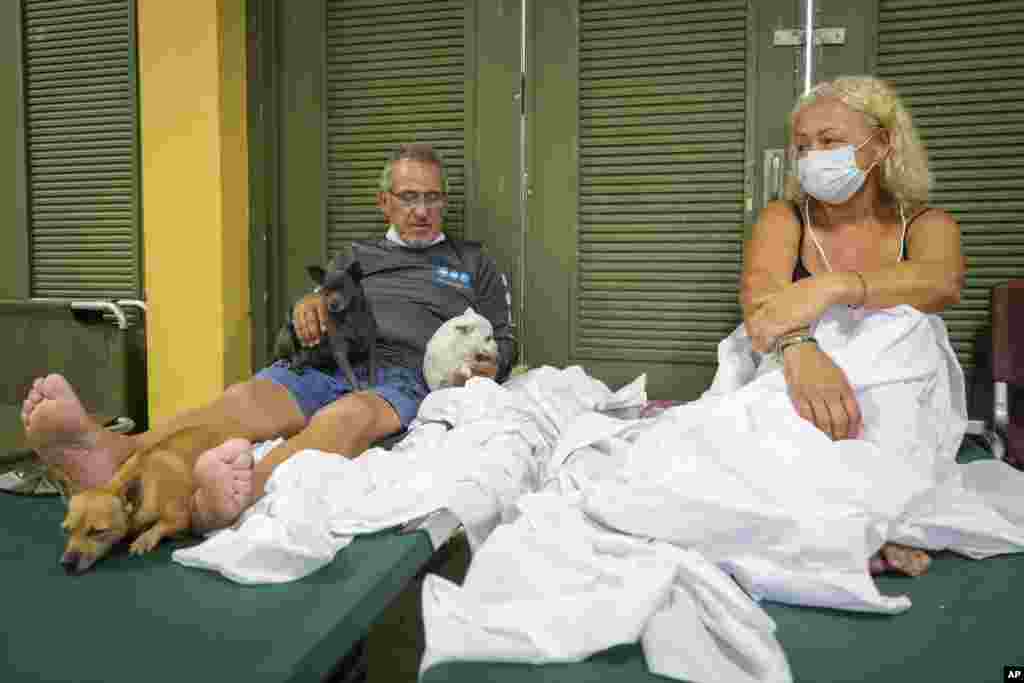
<point>414,291</point>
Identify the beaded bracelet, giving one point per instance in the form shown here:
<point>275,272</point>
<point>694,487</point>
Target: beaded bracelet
<point>784,343</point>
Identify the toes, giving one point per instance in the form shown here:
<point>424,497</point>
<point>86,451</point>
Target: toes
<point>141,545</point>
<point>223,455</point>
<point>47,386</point>
<point>916,563</point>
<point>55,386</point>
<point>244,460</point>
<point>902,559</point>
<point>30,403</point>
<point>236,452</point>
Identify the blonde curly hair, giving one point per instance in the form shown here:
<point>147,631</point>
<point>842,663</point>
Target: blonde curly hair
<point>905,175</point>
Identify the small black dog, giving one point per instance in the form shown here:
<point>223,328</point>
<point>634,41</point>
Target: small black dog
<point>351,327</point>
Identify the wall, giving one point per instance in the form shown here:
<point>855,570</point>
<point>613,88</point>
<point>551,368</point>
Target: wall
<point>194,199</point>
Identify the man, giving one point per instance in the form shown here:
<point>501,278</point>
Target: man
<point>415,278</point>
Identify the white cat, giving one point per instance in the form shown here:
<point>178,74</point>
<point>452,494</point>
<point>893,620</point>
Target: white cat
<point>455,346</point>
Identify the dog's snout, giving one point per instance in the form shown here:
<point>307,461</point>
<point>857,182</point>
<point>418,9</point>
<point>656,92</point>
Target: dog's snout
<point>70,562</point>
<point>76,562</point>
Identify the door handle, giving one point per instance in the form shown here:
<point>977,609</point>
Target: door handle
<point>774,175</point>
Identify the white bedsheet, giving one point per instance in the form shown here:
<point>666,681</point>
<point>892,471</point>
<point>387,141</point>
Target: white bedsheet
<point>316,502</point>
<point>733,482</point>
<point>552,586</point>
<point>624,529</point>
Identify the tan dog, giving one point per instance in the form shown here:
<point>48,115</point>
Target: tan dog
<point>149,497</point>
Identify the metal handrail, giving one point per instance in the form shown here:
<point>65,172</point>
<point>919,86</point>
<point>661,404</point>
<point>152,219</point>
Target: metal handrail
<point>105,307</point>
<point>133,303</point>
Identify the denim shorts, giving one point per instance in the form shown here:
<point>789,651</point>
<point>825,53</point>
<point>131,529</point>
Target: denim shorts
<point>403,388</point>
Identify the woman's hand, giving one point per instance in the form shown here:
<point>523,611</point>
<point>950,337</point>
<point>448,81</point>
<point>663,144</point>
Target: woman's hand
<point>820,392</point>
<point>310,319</point>
<point>794,306</point>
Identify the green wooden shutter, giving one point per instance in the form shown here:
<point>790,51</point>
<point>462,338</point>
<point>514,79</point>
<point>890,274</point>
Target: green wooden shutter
<point>396,72</point>
<point>959,67</point>
<point>81,139</point>
<point>662,135</point>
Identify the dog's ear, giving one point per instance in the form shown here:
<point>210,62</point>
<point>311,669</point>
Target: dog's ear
<point>133,496</point>
<point>317,273</point>
<point>71,519</point>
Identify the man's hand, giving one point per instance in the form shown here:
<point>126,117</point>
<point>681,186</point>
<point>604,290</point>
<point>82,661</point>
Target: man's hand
<point>482,366</point>
<point>310,319</point>
<point>821,393</point>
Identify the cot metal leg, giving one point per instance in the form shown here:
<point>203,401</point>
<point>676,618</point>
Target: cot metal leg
<point>995,444</point>
<point>993,440</point>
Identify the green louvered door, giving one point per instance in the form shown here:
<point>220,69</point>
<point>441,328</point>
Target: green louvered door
<point>643,141</point>
<point>355,78</point>
<point>81,148</point>
<point>959,66</point>
<point>640,141</point>
<point>646,173</point>
<point>76,216</point>
<point>662,138</point>
<point>395,72</point>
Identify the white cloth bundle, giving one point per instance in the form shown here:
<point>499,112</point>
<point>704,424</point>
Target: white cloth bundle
<point>316,502</point>
<point>553,587</point>
<point>794,516</point>
<point>738,481</point>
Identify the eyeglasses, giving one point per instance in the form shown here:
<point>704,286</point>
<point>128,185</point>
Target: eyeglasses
<point>410,200</point>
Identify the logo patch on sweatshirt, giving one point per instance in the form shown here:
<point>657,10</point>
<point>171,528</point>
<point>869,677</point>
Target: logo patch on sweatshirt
<point>452,277</point>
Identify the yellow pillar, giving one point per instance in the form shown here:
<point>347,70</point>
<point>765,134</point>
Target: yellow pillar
<point>195,199</point>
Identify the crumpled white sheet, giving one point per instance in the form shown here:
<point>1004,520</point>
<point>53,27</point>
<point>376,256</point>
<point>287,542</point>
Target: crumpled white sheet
<point>739,480</point>
<point>794,516</point>
<point>316,502</point>
<point>554,587</point>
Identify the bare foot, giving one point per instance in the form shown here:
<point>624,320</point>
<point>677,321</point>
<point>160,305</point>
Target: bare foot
<point>59,430</point>
<point>901,559</point>
<point>224,485</point>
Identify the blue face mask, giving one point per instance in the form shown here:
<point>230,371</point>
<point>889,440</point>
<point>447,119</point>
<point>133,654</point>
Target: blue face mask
<point>831,175</point>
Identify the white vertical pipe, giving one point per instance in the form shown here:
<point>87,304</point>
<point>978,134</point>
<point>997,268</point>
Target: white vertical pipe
<point>808,45</point>
<point>524,184</point>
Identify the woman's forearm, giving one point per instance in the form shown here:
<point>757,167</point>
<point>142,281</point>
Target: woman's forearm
<point>928,287</point>
<point>756,290</point>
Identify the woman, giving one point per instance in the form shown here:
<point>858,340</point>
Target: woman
<point>855,229</point>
